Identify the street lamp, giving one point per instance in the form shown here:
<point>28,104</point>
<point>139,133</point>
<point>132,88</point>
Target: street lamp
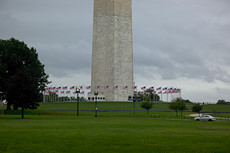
<point>77,91</point>
<point>134,100</point>
<point>96,94</point>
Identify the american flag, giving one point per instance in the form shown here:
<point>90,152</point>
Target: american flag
<point>143,88</point>
<point>88,87</point>
<point>165,88</point>
<point>89,93</point>
<point>125,87</point>
<point>72,87</point>
<point>97,87</point>
<point>67,92</point>
<point>134,87</point>
<point>106,87</point>
<point>115,87</point>
<point>159,88</point>
<point>147,93</point>
<point>141,93</point>
<point>62,92</point>
<point>82,92</point>
<point>53,88</point>
<point>81,87</point>
<point>154,92</point>
<point>74,92</point>
<point>58,88</point>
<point>64,88</point>
<point>165,92</point>
<point>170,88</point>
<point>151,88</point>
<point>159,92</point>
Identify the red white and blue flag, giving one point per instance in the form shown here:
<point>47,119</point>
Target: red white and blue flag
<point>125,87</point>
<point>151,88</point>
<point>165,88</point>
<point>62,92</point>
<point>159,88</point>
<point>64,88</point>
<point>106,87</point>
<point>67,92</point>
<point>141,93</point>
<point>58,88</point>
<point>81,87</point>
<point>147,93</point>
<point>134,87</point>
<point>72,87</point>
<point>115,87</point>
<point>82,92</point>
<point>143,88</point>
<point>97,87</point>
<point>160,92</point>
<point>89,93</point>
<point>88,87</point>
<point>154,92</point>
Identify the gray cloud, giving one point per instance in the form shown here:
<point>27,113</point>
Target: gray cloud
<point>173,39</point>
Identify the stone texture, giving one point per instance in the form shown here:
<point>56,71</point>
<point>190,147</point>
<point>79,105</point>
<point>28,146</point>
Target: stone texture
<point>112,54</point>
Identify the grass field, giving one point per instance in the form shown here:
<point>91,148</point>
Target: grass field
<point>111,134</point>
<point>47,130</point>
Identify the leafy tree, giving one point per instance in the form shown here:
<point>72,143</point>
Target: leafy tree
<point>181,105</point>
<point>187,101</point>
<point>197,108</point>
<point>147,106</point>
<point>177,104</point>
<point>223,102</point>
<point>173,106</point>
<point>18,63</point>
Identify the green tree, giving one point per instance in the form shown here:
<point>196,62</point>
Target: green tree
<point>177,104</point>
<point>181,105</point>
<point>18,63</point>
<point>147,106</point>
<point>197,108</point>
<point>173,106</point>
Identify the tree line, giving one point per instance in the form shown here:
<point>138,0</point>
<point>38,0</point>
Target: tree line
<point>178,105</point>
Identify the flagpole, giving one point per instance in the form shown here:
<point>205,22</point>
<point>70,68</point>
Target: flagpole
<point>167,95</point>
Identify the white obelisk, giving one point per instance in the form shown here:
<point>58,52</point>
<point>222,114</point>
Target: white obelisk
<point>112,54</point>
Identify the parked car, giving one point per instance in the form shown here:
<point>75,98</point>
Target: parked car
<point>205,118</point>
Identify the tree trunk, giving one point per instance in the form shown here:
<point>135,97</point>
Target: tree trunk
<point>148,112</point>
<point>22,112</point>
<point>181,113</point>
<point>176,114</point>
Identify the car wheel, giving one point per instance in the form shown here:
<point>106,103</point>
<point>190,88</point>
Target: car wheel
<point>209,120</point>
<point>197,119</point>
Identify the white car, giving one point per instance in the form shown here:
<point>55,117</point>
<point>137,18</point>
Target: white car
<point>205,118</point>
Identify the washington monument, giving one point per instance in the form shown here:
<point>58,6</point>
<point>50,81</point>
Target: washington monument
<point>112,53</point>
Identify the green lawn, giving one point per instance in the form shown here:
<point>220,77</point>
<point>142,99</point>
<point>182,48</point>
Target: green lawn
<point>55,134</point>
<point>54,128</point>
<point>69,109</point>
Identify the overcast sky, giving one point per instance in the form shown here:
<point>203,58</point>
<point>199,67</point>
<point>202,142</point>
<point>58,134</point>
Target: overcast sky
<point>177,43</point>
